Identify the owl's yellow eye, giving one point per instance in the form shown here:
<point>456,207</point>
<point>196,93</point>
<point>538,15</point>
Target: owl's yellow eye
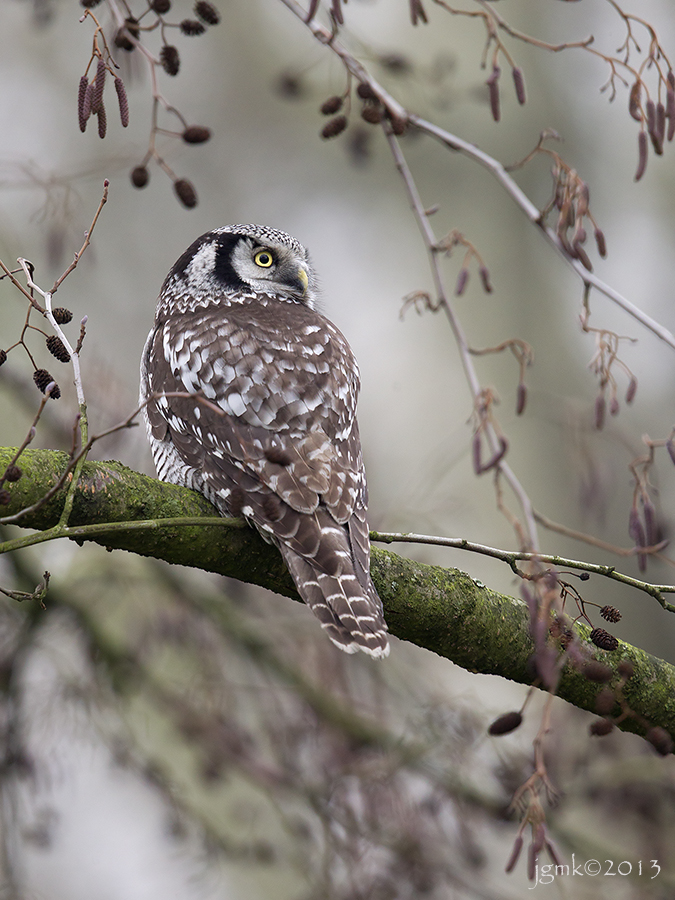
<point>263,258</point>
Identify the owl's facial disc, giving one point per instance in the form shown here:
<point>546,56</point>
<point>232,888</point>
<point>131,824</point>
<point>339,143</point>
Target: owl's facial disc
<point>271,267</point>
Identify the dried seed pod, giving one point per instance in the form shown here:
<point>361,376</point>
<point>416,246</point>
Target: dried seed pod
<point>170,59</point>
<point>3,357</point>
<point>604,639</point>
<point>140,176</point>
<point>600,242</point>
<point>365,92</point>
<point>597,672</point>
<point>493,93</point>
<point>600,407</point>
<point>81,94</point>
<point>160,6</point>
<point>610,613</point>
<point>196,134</point>
<point>372,113</point>
<point>506,723</point>
<point>642,156</point>
<point>132,26</point>
<point>5,497</point>
<point>207,12</point>
<point>57,348</point>
<point>13,473</point>
<point>102,121</point>
<point>336,11</point>
<point>191,27</point>
<point>634,101</point>
<point>601,727</point>
<point>122,41</point>
<point>485,278</point>
<point>660,740</point>
<point>334,127</point>
<point>99,84</point>
<point>185,192</point>
<point>521,398</point>
<point>43,379</point>
<point>122,101</point>
<point>519,83</point>
<point>604,702</point>
<point>332,105</point>
<point>462,281</point>
<point>62,315</point>
<point>399,126</point>
<point>614,406</point>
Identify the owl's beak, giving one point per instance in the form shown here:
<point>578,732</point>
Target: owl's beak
<point>303,279</point>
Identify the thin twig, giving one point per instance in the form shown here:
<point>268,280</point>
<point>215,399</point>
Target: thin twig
<point>534,215</point>
<point>460,338</point>
<point>512,556</point>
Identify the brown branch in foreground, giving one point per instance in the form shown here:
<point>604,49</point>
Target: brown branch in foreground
<point>440,609</point>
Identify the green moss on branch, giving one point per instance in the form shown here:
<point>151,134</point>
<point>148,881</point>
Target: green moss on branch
<point>443,610</point>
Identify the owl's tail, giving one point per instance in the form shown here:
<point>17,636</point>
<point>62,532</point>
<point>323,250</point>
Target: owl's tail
<point>350,612</point>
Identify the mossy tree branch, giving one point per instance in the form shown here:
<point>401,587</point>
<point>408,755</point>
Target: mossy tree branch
<point>441,609</point>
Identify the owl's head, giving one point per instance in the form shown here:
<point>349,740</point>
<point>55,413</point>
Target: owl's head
<point>238,259</point>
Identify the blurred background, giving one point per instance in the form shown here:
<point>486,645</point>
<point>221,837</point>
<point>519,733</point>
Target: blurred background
<point>152,754</point>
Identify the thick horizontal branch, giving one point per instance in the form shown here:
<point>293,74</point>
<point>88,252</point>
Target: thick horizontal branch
<point>443,610</point>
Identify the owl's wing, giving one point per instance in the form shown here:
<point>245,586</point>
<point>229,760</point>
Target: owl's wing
<point>275,434</point>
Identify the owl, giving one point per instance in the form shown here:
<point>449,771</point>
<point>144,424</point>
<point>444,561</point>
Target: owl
<point>264,424</point>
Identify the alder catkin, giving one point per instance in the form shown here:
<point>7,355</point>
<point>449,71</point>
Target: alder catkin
<point>99,84</point>
<point>122,101</point>
<point>493,93</point>
<point>81,94</point>
<point>519,84</point>
<point>642,155</point>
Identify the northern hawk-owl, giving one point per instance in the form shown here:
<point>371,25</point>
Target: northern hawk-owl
<point>275,438</point>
